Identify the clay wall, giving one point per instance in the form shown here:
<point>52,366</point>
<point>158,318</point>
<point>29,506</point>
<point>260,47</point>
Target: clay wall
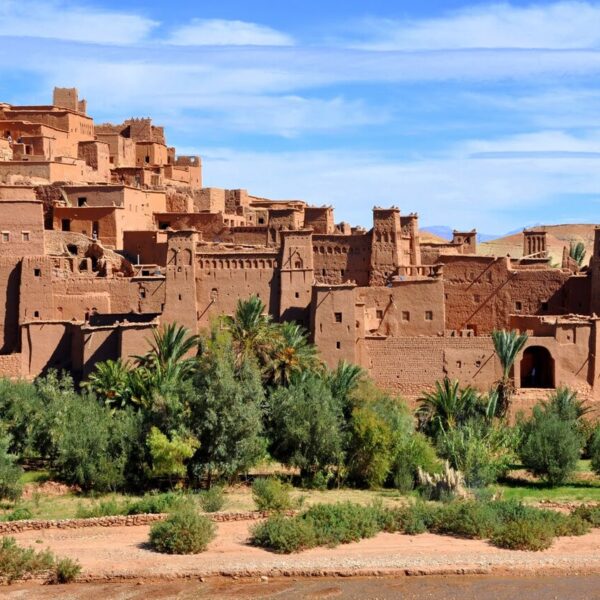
<point>482,292</point>
<point>46,345</point>
<point>225,277</point>
<point>339,258</point>
<point>142,130</point>
<point>151,154</point>
<point>319,219</point>
<point>150,247</point>
<point>45,171</point>
<point>96,156</point>
<point>337,324</point>
<point>386,252</point>
<point>10,366</point>
<point>6,152</point>
<point>209,199</point>
<point>121,150</point>
<point>407,309</point>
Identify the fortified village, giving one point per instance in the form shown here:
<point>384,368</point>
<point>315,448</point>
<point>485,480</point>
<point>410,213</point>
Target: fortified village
<point>105,233</point>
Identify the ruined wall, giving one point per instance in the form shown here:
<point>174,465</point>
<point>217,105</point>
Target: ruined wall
<point>319,219</point>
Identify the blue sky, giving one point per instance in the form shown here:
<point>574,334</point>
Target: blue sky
<point>472,114</point>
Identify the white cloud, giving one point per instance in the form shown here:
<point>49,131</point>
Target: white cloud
<point>560,25</point>
<point>220,32</point>
<point>59,20</point>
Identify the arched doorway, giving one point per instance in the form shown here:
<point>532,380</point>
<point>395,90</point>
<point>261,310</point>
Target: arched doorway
<point>537,368</point>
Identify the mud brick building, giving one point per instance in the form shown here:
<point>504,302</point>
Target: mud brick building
<point>105,233</point>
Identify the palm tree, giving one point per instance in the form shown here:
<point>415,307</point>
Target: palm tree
<point>447,407</point>
<point>577,252</point>
<point>507,344</point>
<point>343,380</point>
<point>111,382</point>
<point>168,362</point>
<point>251,331</point>
<point>564,402</point>
<point>293,354</point>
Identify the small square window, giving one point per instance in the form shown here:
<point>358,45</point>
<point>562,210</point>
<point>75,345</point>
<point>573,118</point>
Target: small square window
<point>82,201</point>
<point>36,313</point>
<point>405,315</point>
<point>338,345</point>
<point>296,295</point>
<point>429,315</point>
<point>37,272</point>
<point>544,306</point>
<point>380,314</point>
<point>5,237</point>
<point>25,236</point>
<point>518,306</point>
<point>338,317</point>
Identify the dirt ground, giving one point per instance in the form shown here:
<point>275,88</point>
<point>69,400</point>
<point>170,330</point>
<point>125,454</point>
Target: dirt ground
<point>118,553</point>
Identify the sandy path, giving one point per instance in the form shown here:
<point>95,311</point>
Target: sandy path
<point>121,552</point>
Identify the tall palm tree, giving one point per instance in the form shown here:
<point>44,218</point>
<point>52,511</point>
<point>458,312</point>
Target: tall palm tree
<point>343,380</point>
<point>251,331</point>
<point>293,354</point>
<point>169,360</point>
<point>507,344</point>
<point>577,252</point>
<point>447,407</point>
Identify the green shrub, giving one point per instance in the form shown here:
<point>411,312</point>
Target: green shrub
<point>213,499</point>
<point>284,535</point>
<point>10,472</point>
<point>17,562</point>
<point>342,523</point>
<point>524,534</point>
<point>594,450</point>
<point>183,532</point>
<point>414,452</point>
<point>271,494</point>
<point>415,518</point>
<point>589,513</point>
<point>154,503</point>
<point>66,570</point>
<point>551,446</point>
<point>467,519</point>
<point>20,513</point>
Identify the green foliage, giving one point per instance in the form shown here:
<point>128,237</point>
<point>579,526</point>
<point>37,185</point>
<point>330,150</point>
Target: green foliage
<point>306,425</point>
<point>21,513</point>
<point>482,453</point>
<point>507,345</point>
<point>524,534</point>
<point>594,451</point>
<point>271,494</point>
<point>213,499</point>
<point>447,407</point>
<point>588,513</point>
<point>414,452</point>
<point>184,532</point>
<point>577,252</point>
<point>94,456</point>
<point>170,455</point>
<point>292,354</point>
<point>111,382</point>
<point>284,535</point>
<point>551,446</point>
<point>17,562</point>
<point>565,404</point>
<point>66,570</point>
<point>225,413</point>
<point>151,503</point>
<point>10,472</point>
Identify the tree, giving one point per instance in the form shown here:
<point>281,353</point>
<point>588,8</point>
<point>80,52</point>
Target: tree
<point>551,445</point>
<point>447,407</point>
<point>507,345</point>
<point>167,363</point>
<point>225,413</point>
<point>577,252</point>
<point>565,403</point>
<point>251,332</point>
<point>10,472</point>
<point>343,381</point>
<point>170,455</point>
<point>306,425</point>
<point>292,354</point>
<point>111,382</point>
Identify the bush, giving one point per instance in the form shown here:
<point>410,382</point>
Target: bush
<point>104,508</point>
<point>20,513</point>
<point>588,513</point>
<point>414,453</point>
<point>66,570</point>
<point>551,446</point>
<point>10,472</point>
<point>271,494</point>
<point>213,499</point>
<point>153,503</point>
<point>17,562</point>
<point>524,534</point>
<point>342,523</point>
<point>594,450</point>
<point>284,535</point>
<point>184,532</point>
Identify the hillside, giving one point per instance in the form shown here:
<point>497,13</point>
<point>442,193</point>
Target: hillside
<point>558,237</point>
